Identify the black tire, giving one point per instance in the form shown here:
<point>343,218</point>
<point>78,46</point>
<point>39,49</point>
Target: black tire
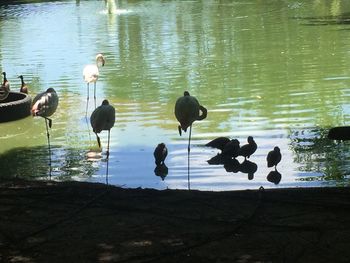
<point>16,106</point>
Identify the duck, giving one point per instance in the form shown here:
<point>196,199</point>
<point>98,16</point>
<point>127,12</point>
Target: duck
<point>160,153</point>
<point>218,143</point>
<point>231,148</point>
<point>4,88</point>
<point>24,87</point>
<point>248,149</point>
<point>274,157</point>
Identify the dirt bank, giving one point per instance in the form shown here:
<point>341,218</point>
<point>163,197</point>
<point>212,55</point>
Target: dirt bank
<point>82,222</point>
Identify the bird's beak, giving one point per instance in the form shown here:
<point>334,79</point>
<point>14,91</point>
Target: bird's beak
<point>180,132</point>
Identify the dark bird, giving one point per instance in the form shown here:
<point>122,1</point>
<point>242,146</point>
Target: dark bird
<point>248,149</point>
<point>274,157</point>
<point>218,143</point>
<point>5,88</point>
<point>44,105</point>
<point>24,87</point>
<point>103,118</point>
<point>231,148</point>
<point>187,110</point>
<point>339,133</point>
<point>91,74</point>
<point>160,153</point>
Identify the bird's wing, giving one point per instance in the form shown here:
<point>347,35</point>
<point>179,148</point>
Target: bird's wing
<point>90,73</point>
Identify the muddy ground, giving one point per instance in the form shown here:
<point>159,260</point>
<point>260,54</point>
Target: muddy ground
<point>83,222</point>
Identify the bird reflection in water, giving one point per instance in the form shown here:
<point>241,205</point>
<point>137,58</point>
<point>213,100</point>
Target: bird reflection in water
<point>249,168</point>
<point>161,171</point>
<point>274,177</point>
<point>232,165</point>
<point>160,153</point>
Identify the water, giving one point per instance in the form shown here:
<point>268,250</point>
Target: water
<point>275,70</point>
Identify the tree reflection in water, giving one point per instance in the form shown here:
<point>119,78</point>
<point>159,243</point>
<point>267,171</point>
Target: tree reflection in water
<point>33,163</point>
<point>326,159</point>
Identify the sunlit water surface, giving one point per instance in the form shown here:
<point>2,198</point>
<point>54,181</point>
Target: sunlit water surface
<point>276,70</point>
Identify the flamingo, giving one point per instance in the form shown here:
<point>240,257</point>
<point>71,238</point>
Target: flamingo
<point>160,153</point>
<point>274,157</point>
<point>24,87</point>
<point>91,73</point>
<point>44,105</point>
<point>5,88</point>
<point>103,118</point>
<point>187,110</point>
<point>248,149</point>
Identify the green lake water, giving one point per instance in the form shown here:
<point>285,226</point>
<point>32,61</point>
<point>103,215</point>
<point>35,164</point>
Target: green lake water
<point>276,70</point>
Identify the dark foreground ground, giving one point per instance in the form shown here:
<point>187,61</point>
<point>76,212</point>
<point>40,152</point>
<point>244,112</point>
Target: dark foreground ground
<point>82,222</point>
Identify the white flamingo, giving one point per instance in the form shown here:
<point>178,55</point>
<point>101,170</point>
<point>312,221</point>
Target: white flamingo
<point>91,73</point>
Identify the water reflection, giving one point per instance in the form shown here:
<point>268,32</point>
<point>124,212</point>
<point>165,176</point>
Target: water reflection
<point>35,163</point>
<point>274,177</point>
<point>258,72</point>
<point>321,158</point>
<point>161,170</point>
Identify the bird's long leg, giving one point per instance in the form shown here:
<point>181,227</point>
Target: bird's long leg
<point>109,136</point>
<point>95,93</point>
<point>50,121</point>
<point>48,140</point>
<point>98,140</point>
<point>87,99</point>
<point>107,156</point>
<point>188,159</point>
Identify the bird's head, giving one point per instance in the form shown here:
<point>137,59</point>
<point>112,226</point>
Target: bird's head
<point>250,139</point>
<point>235,142</point>
<point>3,73</point>
<point>277,149</point>
<point>100,60</point>
<point>50,90</point>
<point>105,102</point>
<point>20,77</point>
<point>186,93</point>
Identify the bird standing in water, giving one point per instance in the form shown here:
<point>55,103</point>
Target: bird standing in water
<point>231,148</point>
<point>218,143</point>
<point>187,110</point>
<point>91,73</point>
<point>274,157</point>
<point>103,118</point>
<point>24,87</point>
<point>160,153</point>
<point>5,88</point>
<point>44,105</point>
<point>248,149</point>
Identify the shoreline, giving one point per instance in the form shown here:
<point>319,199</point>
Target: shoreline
<point>45,221</point>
